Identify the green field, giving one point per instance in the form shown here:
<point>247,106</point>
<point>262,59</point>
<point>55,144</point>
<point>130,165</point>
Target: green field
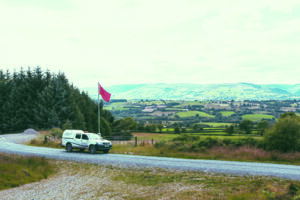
<point>149,103</point>
<point>227,113</point>
<point>193,114</point>
<point>155,136</point>
<point>116,106</point>
<point>215,124</point>
<point>257,117</point>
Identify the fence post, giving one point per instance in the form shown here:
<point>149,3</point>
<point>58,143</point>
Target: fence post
<point>135,138</point>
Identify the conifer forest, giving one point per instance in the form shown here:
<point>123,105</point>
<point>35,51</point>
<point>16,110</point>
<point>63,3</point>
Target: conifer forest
<point>41,100</point>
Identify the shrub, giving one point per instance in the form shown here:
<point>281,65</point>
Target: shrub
<point>56,132</point>
<point>160,144</point>
<point>208,142</point>
<point>284,136</point>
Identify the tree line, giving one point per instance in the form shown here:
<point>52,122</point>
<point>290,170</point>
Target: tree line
<point>43,100</point>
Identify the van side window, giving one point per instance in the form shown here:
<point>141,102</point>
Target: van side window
<point>85,137</point>
<point>78,136</point>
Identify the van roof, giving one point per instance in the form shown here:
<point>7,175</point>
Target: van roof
<point>70,130</point>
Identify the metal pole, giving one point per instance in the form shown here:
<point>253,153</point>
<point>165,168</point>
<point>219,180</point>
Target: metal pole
<point>98,113</point>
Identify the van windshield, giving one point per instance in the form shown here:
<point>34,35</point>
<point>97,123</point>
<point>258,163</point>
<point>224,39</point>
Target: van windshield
<point>95,137</point>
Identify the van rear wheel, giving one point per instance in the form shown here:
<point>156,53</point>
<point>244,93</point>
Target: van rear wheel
<point>92,149</point>
<point>69,147</point>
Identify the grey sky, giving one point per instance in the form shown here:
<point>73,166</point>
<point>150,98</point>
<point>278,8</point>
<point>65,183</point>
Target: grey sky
<point>136,41</point>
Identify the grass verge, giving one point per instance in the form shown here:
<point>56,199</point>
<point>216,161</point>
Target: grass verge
<point>17,170</point>
<point>90,181</point>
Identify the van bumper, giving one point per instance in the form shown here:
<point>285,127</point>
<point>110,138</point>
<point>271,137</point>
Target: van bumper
<point>101,147</point>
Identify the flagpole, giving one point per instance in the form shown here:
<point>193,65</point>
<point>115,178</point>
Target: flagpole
<point>106,97</point>
<point>98,113</point>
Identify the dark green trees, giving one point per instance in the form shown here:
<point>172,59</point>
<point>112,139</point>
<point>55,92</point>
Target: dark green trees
<point>263,126</point>
<point>41,100</point>
<point>229,130</point>
<point>246,125</point>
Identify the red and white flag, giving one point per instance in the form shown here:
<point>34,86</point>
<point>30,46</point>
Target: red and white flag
<point>105,95</point>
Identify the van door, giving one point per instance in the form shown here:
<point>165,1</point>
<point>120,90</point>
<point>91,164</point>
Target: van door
<point>77,140</point>
<point>85,140</point>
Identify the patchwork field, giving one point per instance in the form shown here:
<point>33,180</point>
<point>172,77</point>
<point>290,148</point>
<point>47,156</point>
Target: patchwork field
<point>257,117</point>
<point>227,113</point>
<point>194,114</point>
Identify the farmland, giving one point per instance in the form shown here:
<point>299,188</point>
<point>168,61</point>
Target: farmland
<point>208,113</point>
<point>193,114</point>
<point>257,117</point>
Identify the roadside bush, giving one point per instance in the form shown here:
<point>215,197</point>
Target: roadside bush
<point>194,143</point>
<point>56,132</point>
<point>244,142</point>
<point>208,142</point>
<point>284,136</point>
<point>160,144</point>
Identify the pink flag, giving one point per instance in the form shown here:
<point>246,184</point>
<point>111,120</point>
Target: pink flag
<point>105,95</point>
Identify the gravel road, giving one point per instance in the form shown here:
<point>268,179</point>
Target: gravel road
<point>228,167</point>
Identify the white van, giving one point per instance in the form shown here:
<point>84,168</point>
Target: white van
<point>77,139</point>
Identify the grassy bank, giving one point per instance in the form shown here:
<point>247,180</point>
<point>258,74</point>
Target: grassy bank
<point>237,148</point>
<point>246,154</point>
<point>91,181</point>
<point>17,170</point>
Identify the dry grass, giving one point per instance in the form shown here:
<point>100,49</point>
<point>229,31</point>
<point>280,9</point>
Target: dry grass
<point>51,142</point>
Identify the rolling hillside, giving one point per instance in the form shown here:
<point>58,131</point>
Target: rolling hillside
<point>236,91</point>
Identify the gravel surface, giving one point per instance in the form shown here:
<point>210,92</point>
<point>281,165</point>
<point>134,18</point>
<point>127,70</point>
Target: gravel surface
<point>18,138</point>
<point>228,167</point>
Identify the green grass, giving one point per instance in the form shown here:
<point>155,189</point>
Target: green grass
<point>155,136</point>
<point>167,130</point>
<point>116,106</point>
<point>149,103</point>
<point>193,114</point>
<point>17,170</point>
<point>227,113</point>
<point>257,117</point>
<point>216,124</point>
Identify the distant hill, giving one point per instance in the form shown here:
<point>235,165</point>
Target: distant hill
<point>235,91</point>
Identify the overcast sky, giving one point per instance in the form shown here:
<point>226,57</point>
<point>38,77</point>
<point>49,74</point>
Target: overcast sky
<point>154,41</point>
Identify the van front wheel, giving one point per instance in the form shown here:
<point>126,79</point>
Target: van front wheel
<point>69,147</point>
<point>106,151</point>
<point>92,149</point>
